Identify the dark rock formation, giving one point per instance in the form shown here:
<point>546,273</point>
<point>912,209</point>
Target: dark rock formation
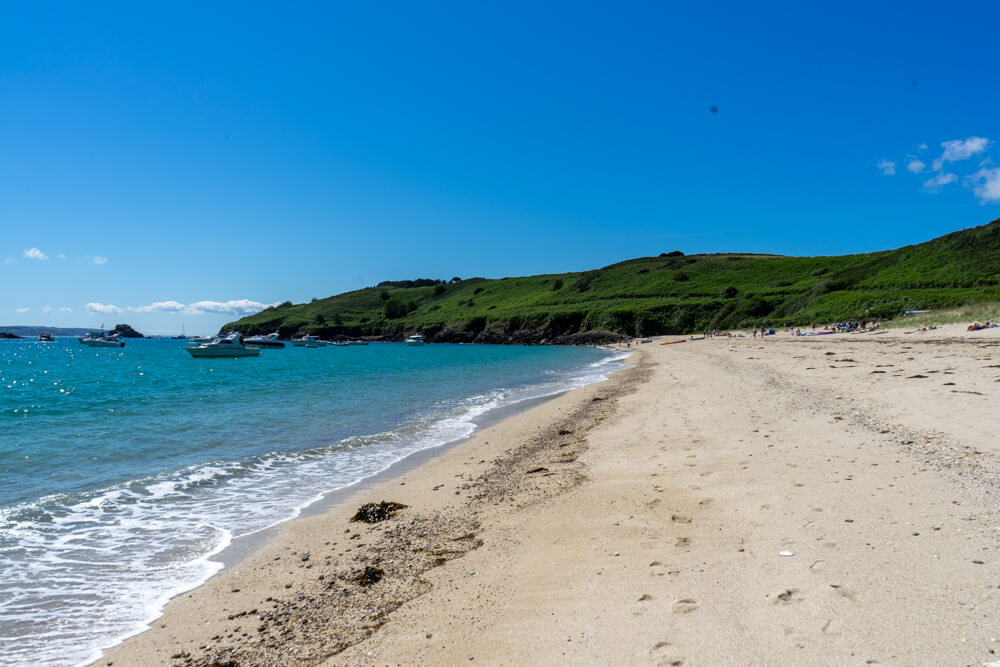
<point>125,331</point>
<point>4,334</point>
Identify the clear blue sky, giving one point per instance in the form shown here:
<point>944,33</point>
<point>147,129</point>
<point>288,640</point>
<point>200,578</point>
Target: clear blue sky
<point>211,153</point>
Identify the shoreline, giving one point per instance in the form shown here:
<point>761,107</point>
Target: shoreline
<point>826,500</point>
<point>246,548</point>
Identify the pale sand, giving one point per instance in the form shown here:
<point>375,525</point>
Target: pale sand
<point>655,537</point>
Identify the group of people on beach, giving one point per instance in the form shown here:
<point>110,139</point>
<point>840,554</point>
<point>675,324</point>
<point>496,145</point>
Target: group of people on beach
<point>976,326</point>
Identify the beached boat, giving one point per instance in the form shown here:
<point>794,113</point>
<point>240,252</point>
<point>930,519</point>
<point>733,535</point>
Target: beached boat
<point>265,341</point>
<point>229,346</point>
<point>308,340</point>
<point>416,340</point>
<point>45,337</point>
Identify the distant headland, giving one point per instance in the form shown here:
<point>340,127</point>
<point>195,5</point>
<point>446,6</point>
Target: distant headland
<point>671,293</point>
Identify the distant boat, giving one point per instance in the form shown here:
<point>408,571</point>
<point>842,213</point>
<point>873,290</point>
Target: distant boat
<point>266,340</point>
<point>358,342</point>
<point>45,337</point>
<point>229,346</point>
<point>103,339</point>
<point>416,340</point>
<point>308,341</point>
<point>340,343</point>
<point>181,336</point>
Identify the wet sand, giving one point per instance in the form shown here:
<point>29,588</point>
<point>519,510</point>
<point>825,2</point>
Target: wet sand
<point>824,500</point>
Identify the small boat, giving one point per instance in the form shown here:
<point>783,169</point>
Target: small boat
<point>230,345</point>
<point>45,337</point>
<point>308,340</point>
<point>182,335</point>
<point>416,340</point>
<point>265,341</point>
<point>340,343</point>
<point>358,342</point>
<point>102,339</point>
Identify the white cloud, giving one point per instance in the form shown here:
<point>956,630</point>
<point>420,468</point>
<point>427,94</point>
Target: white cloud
<point>61,256</point>
<point>35,253</point>
<point>922,147</point>
<point>161,307</point>
<point>986,184</point>
<point>103,308</point>
<point>22,310</point>
<point>8,260</point>
<point>940,180</point>
<point>65,310</point>
<point>47,309</point>
<point>888,167</point>
<point>235,307</point>
<point>957,149</point>
<point>916,166</point>
<point>100,260</point>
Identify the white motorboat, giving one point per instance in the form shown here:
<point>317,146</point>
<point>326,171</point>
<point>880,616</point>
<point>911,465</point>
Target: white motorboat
<point>416,340</point>
<point>45,337</point>
<point>265,341</point>
<point>198,340</point>
<point>230,345</point>
<point>358,342</point>
<point>308,340</point>
<point>102,339</point>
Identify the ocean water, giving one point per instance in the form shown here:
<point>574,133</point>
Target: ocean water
<point>123,470</point>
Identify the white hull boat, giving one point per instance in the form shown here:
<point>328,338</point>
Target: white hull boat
<point>267,341</point>
<point>416,340</point>
<point>229,346</point>
<point>308,341</point>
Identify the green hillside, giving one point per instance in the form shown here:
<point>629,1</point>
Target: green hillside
<point>668,294</point>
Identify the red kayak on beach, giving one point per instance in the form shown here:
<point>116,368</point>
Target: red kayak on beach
<point>674,342</point>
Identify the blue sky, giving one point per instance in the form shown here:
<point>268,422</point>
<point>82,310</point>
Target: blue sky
<point>187,162</point>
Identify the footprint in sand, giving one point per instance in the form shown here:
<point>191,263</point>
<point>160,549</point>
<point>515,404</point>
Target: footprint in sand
<point>818,566</point>
<point>685,606</point>
<point>844,593</point>
<point>706,501</point>
<point>833,626</point>
<point>680,518</point>
<point>683,542</point>
<point>788,596</point>
<point>706,474</point>
<point>660,655</point>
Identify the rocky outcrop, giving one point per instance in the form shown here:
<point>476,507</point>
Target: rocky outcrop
<point>125,331</point>
<point>10,336</point>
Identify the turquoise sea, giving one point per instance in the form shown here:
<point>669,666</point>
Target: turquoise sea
<point>123,470</point>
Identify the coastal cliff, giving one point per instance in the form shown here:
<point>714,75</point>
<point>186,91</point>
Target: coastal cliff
<point>671,293</point>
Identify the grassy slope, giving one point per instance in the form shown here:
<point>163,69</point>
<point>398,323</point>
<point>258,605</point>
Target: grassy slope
<point>662,294</point>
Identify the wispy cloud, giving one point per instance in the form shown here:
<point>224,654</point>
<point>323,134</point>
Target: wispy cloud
<point>100,260</point>
<point>107,309</point>
<point>47,309</point>
<point>922,147</point>
<point>916,166</point>
<point>234,307</point>
<point>161,307</point>
<point>940,180</point>
<point>35,253</point>
<point>986,185</point>
<point>958,149</point>
<point>888,167</point>
<point>65,310</point>
<point>22,310</point>
<point>60,256</point>
<point>8,260</point>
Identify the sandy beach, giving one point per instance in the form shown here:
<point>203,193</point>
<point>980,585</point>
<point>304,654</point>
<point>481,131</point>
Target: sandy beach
<point>795,500</point>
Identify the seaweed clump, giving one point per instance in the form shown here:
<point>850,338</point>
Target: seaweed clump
<point>371,575</point>
<point>375,512</point>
